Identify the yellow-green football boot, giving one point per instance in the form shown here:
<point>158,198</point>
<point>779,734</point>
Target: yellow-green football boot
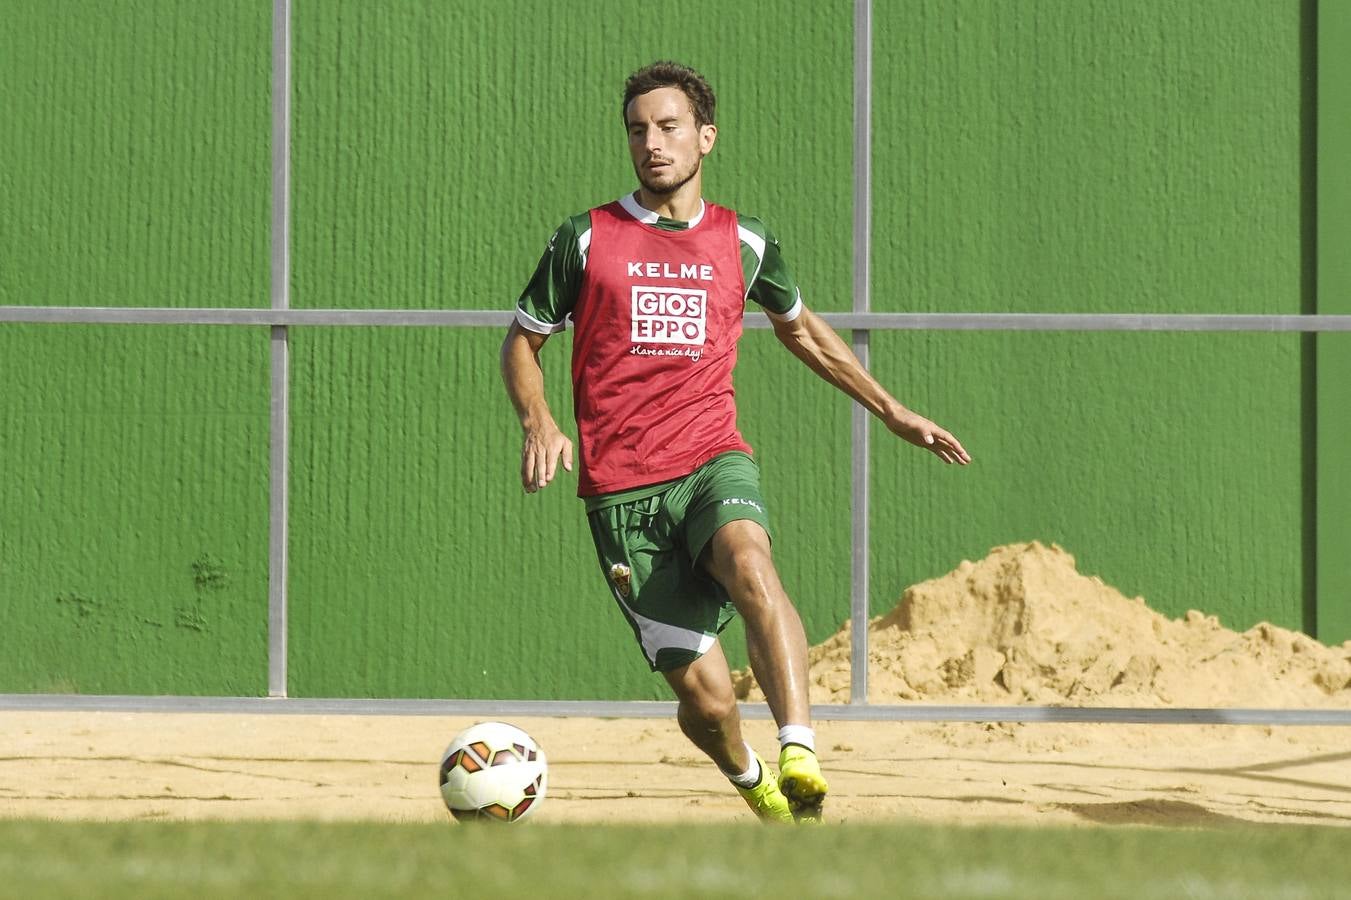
<point>801,781</point>
<point>765,799</point>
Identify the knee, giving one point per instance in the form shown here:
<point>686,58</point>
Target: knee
<point>708,711</point>
<point>751,577</point>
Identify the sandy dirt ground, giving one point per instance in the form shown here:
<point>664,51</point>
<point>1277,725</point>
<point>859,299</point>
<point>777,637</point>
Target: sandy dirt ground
<point>81,765</point>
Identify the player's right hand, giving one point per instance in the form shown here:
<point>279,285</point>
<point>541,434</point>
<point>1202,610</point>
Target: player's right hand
<point>540,454</point>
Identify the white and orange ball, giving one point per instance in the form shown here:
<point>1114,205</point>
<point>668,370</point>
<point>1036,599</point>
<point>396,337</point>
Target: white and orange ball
<point>493,771</point>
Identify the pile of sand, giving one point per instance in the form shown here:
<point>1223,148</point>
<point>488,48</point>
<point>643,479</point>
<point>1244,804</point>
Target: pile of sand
<point>1023,626</point>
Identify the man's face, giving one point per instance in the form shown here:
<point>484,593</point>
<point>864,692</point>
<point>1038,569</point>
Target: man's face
<point>666,146</point>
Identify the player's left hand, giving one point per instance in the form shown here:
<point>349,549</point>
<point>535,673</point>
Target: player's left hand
<point>924,434</point>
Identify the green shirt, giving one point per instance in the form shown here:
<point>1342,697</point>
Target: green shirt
<point>553,289</point>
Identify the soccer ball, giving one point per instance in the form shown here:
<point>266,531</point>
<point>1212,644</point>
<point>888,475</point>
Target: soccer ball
<point>493,771</point>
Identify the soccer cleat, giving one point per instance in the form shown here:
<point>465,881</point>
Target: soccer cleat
<point>802,784</point>
<point>765,799</point>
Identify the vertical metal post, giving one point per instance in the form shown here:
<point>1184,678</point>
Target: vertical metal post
<point>279,438</point>
<point>1332,285</point>
<point>863,75</point>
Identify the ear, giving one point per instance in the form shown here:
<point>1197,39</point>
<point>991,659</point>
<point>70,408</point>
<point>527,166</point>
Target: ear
<point>708,135</point>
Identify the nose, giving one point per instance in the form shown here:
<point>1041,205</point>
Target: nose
<point>652,140</point>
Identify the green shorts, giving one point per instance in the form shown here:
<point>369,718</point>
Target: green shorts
<point>649,553</point>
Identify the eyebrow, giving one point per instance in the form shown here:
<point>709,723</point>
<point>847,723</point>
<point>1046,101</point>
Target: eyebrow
<point>633,122</point>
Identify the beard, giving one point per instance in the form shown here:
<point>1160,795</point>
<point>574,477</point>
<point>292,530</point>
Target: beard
<point>668,183</point>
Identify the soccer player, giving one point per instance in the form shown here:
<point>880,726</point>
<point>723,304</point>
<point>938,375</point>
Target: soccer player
<point>656,284</point>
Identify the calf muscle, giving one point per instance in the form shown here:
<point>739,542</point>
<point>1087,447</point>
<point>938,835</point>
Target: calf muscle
<point>739,558</point>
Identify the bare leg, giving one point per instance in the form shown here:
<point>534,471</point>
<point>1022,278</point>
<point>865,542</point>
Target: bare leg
<point>708,712</point>
<point>738,557</point>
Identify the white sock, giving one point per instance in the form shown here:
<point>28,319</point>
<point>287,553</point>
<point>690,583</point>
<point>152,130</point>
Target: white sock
<point>798,734</point>
<point>749,778</point>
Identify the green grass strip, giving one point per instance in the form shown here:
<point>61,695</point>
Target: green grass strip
<point>307,859</point>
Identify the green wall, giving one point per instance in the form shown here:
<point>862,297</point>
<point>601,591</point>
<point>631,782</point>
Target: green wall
<point>1044,155</point>
<point>1063,156</point>
<point>431,167</point>
<point>1332,237</point>
<point>133,507</point>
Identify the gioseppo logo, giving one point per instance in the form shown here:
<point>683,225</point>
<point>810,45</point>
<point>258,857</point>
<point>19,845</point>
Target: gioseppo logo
<point>664,315</point>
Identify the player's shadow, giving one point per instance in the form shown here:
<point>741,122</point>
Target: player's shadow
<point>1168,812</point>
<point>1152,811</point>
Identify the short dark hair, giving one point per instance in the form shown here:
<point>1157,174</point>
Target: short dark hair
<point>672,74</point>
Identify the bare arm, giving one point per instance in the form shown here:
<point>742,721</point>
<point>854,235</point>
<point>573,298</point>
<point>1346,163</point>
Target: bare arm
<point>544,443</point>
<point>815,343</point>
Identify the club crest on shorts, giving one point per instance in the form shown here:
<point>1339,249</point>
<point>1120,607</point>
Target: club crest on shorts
<point>619,576</point>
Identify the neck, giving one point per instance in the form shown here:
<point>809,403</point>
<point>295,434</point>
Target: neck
<point>682,204</point>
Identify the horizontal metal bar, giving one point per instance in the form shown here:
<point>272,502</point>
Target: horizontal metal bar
<point>472,318</point>
<point>1084,322</point>
<point>95,315</point>
<point>643,709</point>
